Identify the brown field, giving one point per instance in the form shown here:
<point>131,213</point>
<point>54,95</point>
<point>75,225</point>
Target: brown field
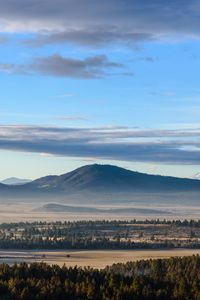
<point>93,259</point>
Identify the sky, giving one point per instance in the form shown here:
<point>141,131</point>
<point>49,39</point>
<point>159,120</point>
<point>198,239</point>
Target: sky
<point>110,81</point>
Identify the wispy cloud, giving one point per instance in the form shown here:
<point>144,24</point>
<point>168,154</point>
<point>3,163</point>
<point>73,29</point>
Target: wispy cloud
<point>149,59</point>
<point>67,95</point>
<point>113,143</point>
<point>57,65</point>
<point>71,118</point>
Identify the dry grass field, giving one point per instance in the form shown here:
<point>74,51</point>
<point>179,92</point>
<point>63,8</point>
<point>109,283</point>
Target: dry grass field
<point>93,259</point>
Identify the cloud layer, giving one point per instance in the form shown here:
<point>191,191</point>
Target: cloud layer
<point>95,23</point>
<point>117,143</point>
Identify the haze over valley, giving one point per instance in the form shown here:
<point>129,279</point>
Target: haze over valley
<point>103,191</point>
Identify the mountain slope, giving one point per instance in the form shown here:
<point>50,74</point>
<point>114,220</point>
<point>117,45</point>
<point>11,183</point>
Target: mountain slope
<point>107,178</point>
<point>104,184</point>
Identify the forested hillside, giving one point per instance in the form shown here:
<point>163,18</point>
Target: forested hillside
<point>171,279</point>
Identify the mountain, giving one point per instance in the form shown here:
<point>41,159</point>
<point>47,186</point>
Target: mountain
<point>108,178</point>
<point>15,181</point>
<point>105,184</point>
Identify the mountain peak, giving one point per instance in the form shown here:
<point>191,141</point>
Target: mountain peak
<point>100,168</point>
<point>15,181</point>
<point>97,175</point>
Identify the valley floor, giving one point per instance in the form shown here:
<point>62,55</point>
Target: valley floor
<point>29,212</point>
<point>93,259</point>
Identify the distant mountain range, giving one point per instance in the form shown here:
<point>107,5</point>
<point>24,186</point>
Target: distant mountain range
<point>101,182</point>
<point>15,181</point>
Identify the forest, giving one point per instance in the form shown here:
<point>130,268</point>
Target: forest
<point>169,279</point>
<point>147,234</point>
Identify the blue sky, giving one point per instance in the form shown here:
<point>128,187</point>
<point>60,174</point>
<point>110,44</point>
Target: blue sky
<point>109,82</point>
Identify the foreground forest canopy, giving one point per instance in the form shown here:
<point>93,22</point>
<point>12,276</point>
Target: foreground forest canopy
<point>171,279</point>
<point>149,234</point>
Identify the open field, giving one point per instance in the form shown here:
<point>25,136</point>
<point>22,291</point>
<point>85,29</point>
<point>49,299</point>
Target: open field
<point>94,259</point>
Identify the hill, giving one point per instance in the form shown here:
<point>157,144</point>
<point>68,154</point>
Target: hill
<point>104,184</point>
<point>110,178</point>
<point>53,207</point>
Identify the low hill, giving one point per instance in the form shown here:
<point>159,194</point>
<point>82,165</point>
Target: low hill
<point>59,208</point>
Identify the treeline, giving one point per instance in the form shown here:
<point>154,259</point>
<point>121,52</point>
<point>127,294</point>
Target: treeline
<point>171,279</point>
<point>88,244</point>
<point>148,234</point>
<point>89,223</point>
